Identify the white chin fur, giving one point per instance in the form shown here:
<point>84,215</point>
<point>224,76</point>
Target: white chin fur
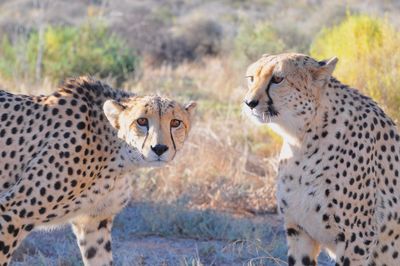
<point>155,163</point>
<point>254,117</point>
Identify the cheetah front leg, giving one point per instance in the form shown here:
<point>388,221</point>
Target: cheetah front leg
<point>353,250</point>
<point>13,227</point>
<point>303,250</point>
<point>94,239</point>
<point>11,234</point>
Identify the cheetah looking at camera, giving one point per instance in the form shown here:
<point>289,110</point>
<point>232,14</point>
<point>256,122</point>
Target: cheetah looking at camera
<point>66,158</point>
<point>338,178</point>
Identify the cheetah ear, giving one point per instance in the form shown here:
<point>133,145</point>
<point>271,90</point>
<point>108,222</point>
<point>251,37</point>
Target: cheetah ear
<point>190,107</point>
<point>325,69</point>
<point>112,109</point>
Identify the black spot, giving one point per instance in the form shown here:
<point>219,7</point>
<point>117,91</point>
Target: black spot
<point>29,227</point>
<point>102,224</point>
<point>9,141</point>
<point>292,232</point>
<point>291,261</point>
<point>4,117</point>
<point>5,250</point>
<point>107,246</point>
<point>10,229</point>
<point>57,185</point>
<point>81,125</point>
<point>69,112</point>
<point>307,261</point>
<point>340,237</point>
<point>90,253</point>
<point>62,101</point>
<point>83,108</point>
<point>68,123</point>
<point>6,217</point>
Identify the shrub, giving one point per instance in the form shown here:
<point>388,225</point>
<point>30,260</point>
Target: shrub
<point>68,51</point>
<point>191,42</point>
<point>254,40</point>
<point>204,37</point>
<point>142,26</point>
<point>369,60</point>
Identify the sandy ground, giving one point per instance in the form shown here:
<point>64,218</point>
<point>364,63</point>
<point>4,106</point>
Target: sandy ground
<point>131,246</point>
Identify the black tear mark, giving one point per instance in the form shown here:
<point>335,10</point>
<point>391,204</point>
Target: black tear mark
<point>172,138</point>
<point>270,103</point>
<point>147,134</point>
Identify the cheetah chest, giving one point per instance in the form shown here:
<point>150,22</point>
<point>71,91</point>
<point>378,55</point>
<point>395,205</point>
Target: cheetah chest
<point>302,202</point>
<point>108,200</point>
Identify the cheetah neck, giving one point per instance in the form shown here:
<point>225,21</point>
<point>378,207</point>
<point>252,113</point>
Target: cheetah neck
<point>294,132</point>
<point>290,135</point>
<point>297,132</point>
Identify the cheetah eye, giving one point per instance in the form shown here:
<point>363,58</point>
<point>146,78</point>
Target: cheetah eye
<point>175,123</point>
<point>143,122</point>
<point>276,79</point>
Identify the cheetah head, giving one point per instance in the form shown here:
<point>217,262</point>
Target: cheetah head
<point>284,89</point>
<point>156,127</point>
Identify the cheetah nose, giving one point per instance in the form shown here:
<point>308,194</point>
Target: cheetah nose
<point>159,149</point>
<point>252,103</point>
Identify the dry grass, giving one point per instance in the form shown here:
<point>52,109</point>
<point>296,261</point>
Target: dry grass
<point>227,163</point>
<point>221,166</point>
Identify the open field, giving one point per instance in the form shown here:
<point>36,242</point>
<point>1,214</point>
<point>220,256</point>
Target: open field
<point>215,204</point>
<point>185,237</point>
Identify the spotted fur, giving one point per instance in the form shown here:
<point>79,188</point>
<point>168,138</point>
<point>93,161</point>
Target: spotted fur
<point>65,158</point>
<point>338,178</point>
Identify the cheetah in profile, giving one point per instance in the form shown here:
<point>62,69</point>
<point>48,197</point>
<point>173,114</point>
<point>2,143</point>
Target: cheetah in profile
<point>338,179</point>
<point>66,158</point>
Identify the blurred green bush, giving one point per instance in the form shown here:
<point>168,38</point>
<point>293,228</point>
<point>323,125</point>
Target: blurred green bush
<point>369,58</point>
<point>253,40</point>
<point>67,51</point>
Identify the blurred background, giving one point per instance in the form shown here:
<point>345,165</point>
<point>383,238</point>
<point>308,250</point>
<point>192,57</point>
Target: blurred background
<point>215,204</point>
